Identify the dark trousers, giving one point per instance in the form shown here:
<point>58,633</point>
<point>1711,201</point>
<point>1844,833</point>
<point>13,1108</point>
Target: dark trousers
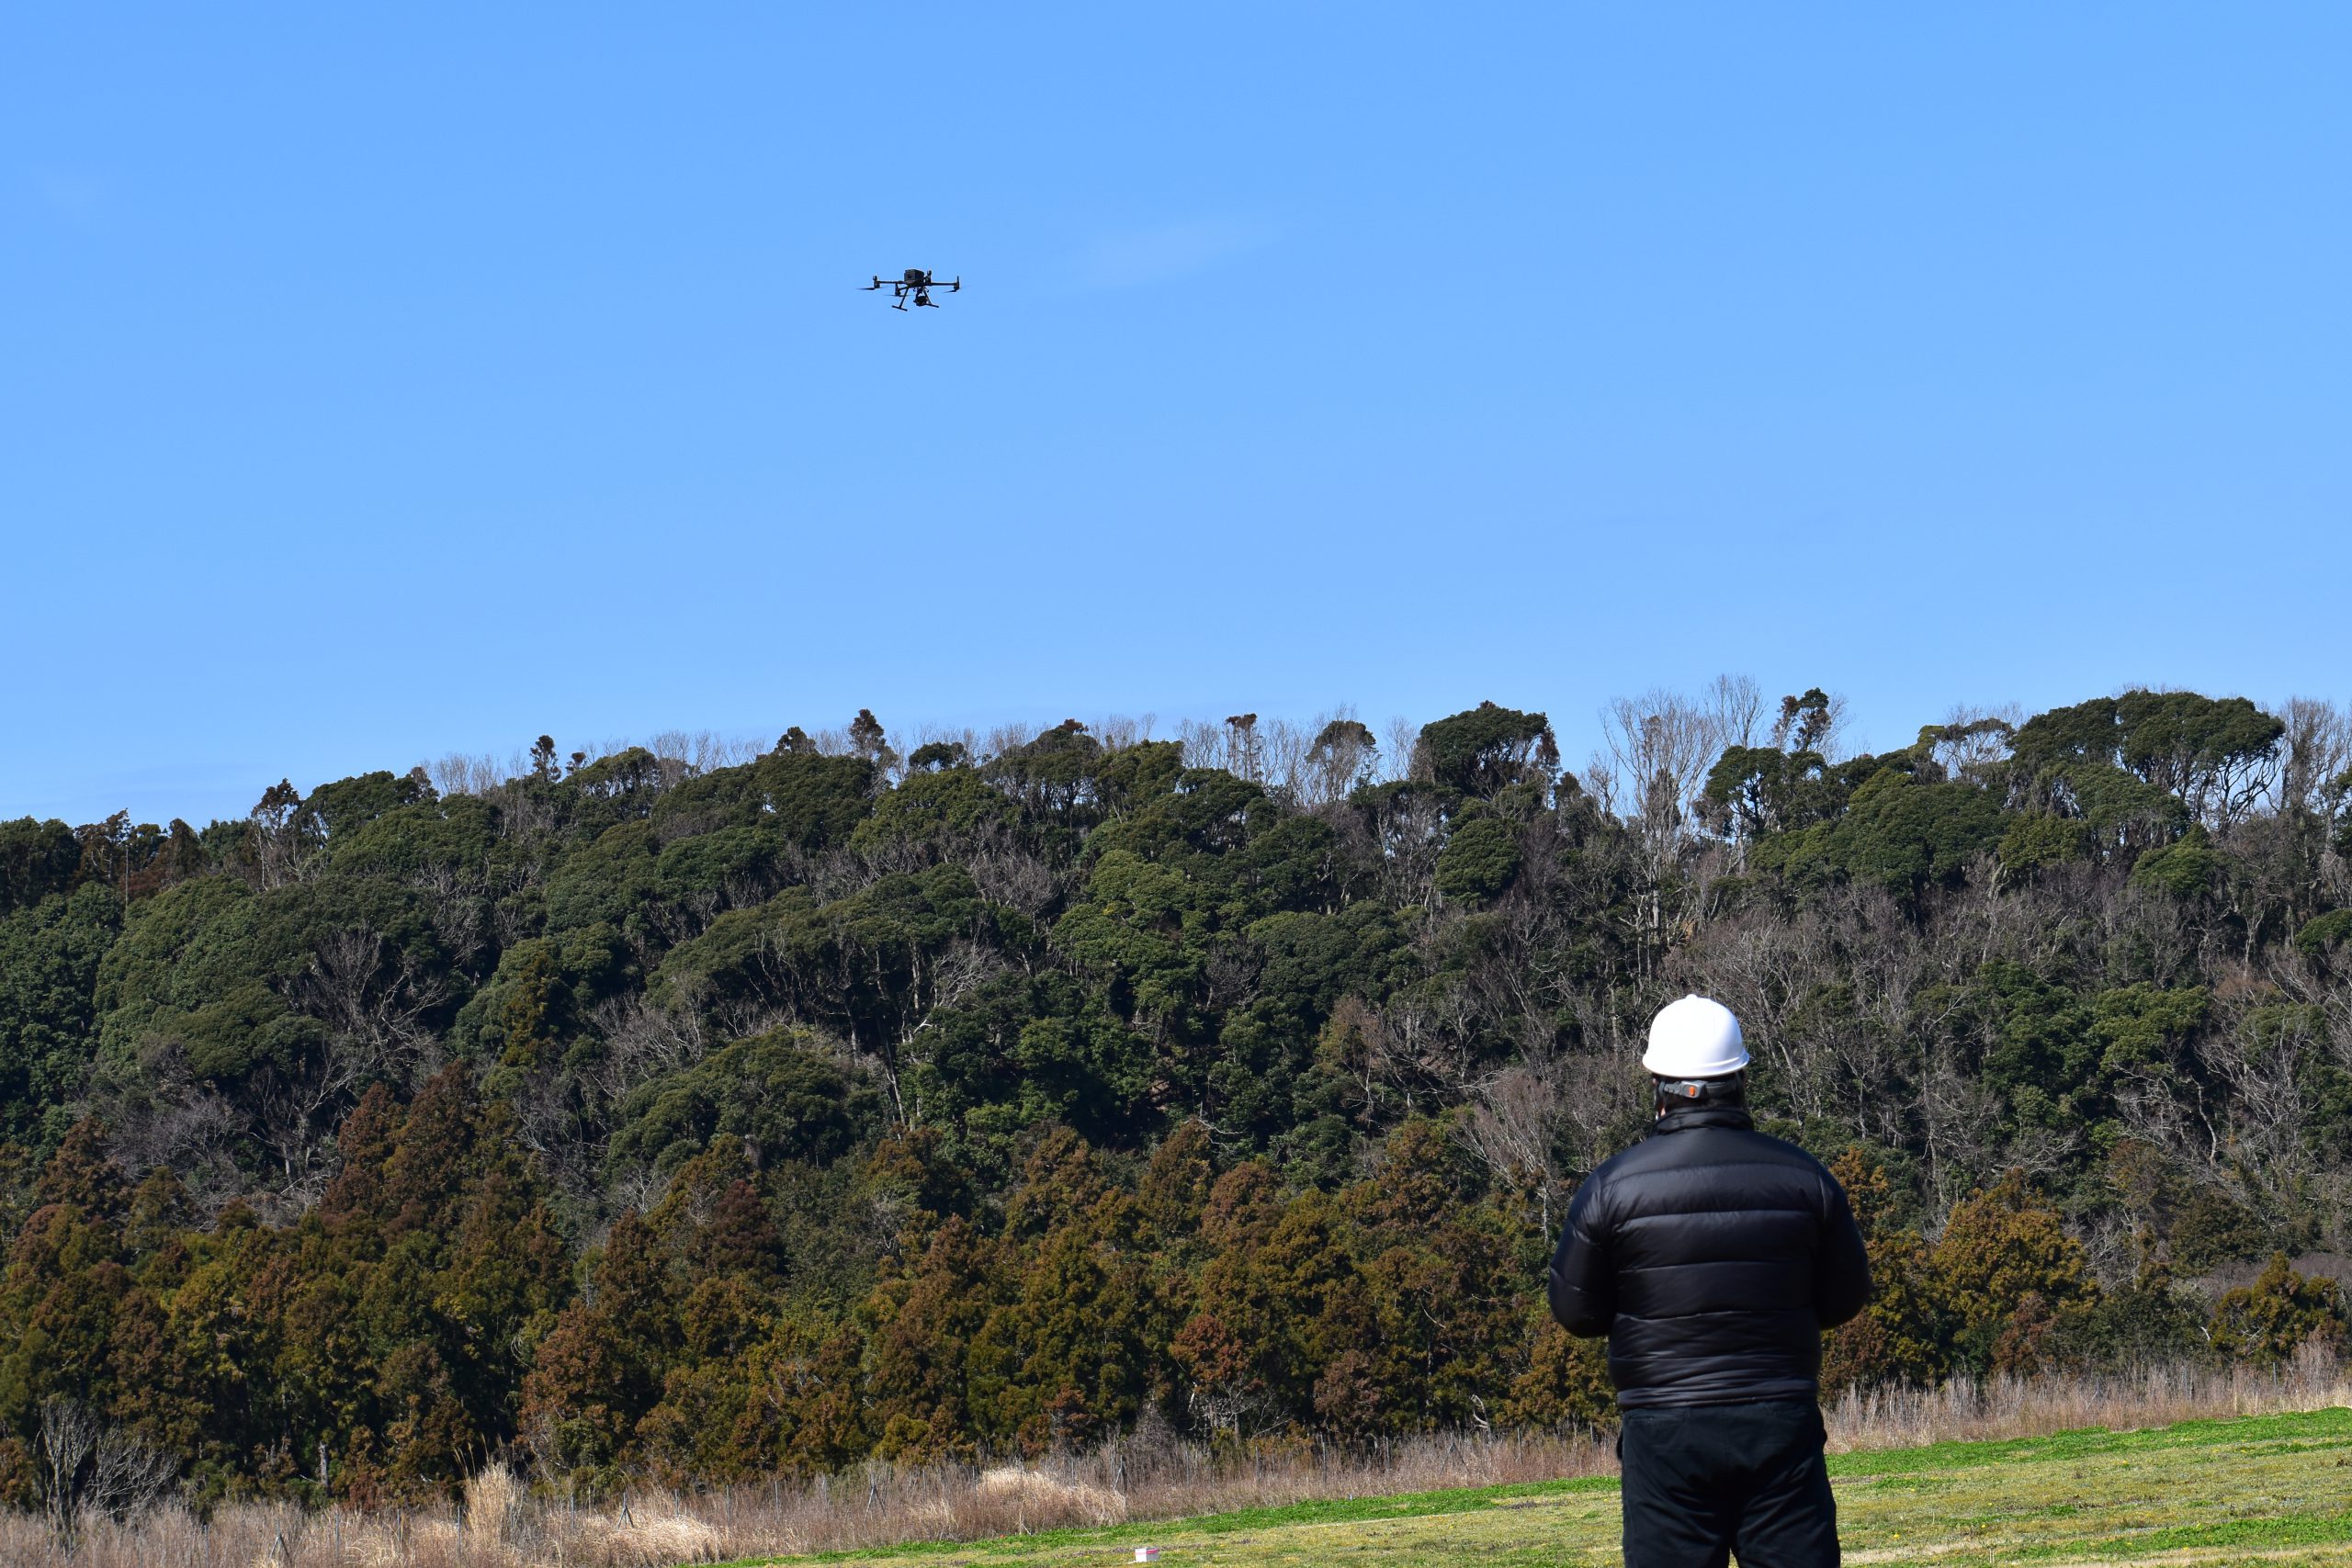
<point>1707,1481</point>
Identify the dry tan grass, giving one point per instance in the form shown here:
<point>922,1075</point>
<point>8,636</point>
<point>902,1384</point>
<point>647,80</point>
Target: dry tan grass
<point>502,1523</point>
<point>1965,1409</point>
<point>1052,1497</point>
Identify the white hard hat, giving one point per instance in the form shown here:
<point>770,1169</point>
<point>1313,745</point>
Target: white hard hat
<point>1694,1038</point>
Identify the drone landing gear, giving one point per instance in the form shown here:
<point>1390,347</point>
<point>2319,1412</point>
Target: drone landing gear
<point>915,288</point>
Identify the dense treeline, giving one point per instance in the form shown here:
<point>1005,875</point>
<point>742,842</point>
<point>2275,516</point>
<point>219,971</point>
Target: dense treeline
<point>642,1115</point>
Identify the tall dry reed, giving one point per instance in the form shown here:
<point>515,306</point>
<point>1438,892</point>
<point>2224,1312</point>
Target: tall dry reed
<point>1967,1409</point>
<point>501,1523</point>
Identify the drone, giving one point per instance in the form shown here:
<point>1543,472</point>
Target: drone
<point>917,283</point>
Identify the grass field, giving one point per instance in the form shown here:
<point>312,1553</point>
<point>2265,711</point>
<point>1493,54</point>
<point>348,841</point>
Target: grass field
<point>2270,1489</point>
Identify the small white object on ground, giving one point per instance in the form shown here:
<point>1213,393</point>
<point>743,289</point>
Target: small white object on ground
<point>1147,1554</point>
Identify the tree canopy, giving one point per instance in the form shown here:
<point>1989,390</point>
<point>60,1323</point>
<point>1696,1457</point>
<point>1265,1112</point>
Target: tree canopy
<point>691,1118</point>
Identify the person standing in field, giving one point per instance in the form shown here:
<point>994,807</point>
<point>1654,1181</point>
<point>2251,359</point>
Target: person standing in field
<point>1712,1257</point>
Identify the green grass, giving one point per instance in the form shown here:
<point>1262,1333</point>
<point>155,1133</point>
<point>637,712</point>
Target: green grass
<point>2273,1490</point>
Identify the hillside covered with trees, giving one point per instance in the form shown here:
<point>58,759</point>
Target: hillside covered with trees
<point>702,1117</point>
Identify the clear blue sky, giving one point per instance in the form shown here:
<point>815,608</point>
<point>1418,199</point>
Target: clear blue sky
<point>379,381</point>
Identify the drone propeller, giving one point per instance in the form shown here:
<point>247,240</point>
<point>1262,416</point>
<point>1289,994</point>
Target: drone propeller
<point>917,282</point>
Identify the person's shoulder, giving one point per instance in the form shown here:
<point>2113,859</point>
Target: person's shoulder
<point>1616,1164</point>
<point>1794,1172</point>
<point>1680,1150</point>
<point>1761,1155</point>
<point>1763,1148</point>
<point>1611,1172</point>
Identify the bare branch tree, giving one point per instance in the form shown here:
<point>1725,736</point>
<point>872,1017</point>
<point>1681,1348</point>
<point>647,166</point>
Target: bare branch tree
<point>64,1445</point>
<point>1659,746</point>
<point>1406,758</point>
<point>2318,746</point>
<point>1657,750</point>
<point>1976,739</point>
<point>1516,1117</point>
<point>1735,704</point>
<point>1341,756</point>
<point>84,1466</point>
<point>643,1042</point>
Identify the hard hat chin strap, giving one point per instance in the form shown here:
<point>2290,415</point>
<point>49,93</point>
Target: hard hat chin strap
<point>1684,1094</point>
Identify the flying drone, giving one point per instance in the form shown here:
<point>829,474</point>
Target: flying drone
<point>917,284</point>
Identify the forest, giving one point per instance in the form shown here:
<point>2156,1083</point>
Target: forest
<point>701,1113</point>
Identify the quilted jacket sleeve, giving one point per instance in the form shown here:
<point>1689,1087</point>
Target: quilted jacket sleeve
<point>1841,1283</point>
<point>1584,1286</point>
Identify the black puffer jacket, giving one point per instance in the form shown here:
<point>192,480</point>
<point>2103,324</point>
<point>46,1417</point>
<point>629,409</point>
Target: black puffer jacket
<point>1712,1257</point>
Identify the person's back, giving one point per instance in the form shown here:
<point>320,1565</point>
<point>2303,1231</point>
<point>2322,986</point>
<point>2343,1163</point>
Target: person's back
<point>1712,1257</point>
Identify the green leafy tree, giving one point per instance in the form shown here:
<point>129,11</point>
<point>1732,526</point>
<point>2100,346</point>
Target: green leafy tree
<point>935,807</point>
<point>50,954</point>
<point>36,860</point>
<point>1898,833</point>
<point>1479,859</point>
<point>2011,1276</point>
<point>1902,1335</point>
<point>2035,839</point>
<point>2184,869</point>
<point>776,1094</point>
<point>815,801</point>
<point>1489,748</point>
<point>812,1109</point>
<point>2266,1322</point>
<point>2215,756</point>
